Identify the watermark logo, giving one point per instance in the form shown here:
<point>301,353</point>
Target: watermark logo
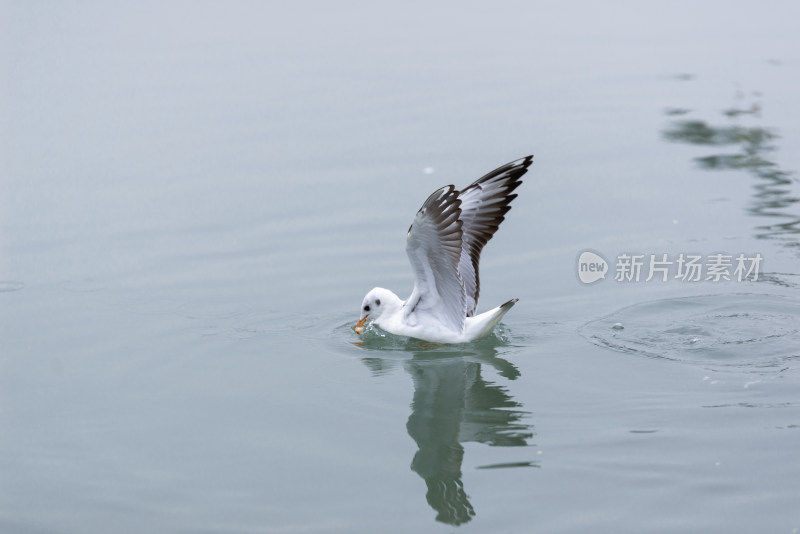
<point>591,267</point>
<point>664,267</point>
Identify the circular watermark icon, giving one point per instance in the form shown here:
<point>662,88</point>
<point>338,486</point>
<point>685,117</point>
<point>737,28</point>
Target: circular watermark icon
<point>591,267</point>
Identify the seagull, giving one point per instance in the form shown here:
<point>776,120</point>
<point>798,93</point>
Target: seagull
<point>444,244</point>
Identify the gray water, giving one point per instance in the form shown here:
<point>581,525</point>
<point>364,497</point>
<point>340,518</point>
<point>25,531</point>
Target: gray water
<point>196,196</point>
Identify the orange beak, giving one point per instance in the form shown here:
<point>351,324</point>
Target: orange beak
<point>360,325</point>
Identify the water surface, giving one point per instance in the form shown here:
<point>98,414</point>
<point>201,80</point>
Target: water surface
<point>194,199</point>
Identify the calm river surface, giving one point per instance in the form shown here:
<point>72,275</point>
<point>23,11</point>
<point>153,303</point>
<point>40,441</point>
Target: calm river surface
<point>195,197</point>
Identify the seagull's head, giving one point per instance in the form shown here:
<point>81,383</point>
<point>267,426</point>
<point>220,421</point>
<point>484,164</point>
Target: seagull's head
<point>378,302</point>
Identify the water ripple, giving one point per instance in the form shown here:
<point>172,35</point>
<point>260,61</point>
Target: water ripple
<point>6,286</point>
<point>754,332</point>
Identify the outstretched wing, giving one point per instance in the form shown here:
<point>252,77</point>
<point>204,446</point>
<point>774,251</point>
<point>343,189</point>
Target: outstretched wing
<point>483,206</point>
<point>434,248</point>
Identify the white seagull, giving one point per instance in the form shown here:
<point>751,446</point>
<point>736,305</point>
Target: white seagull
<point>444,245</point>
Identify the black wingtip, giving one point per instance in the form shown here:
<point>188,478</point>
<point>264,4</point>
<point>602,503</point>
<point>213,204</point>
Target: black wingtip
<point>522,162</point>
<point>509,303</point>
<point>513,171</point>
<point>526,162</point>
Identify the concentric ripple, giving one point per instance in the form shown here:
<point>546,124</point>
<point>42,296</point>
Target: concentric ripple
<point>740,330</point>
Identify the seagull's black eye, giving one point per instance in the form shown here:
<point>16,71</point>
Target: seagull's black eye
<point>366,308</point>
<point>378,302</point>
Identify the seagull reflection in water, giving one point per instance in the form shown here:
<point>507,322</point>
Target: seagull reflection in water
<point>453,404</point>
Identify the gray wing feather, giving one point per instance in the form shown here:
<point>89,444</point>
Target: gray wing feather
<point>434,245</point>
<point>484,204</point>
